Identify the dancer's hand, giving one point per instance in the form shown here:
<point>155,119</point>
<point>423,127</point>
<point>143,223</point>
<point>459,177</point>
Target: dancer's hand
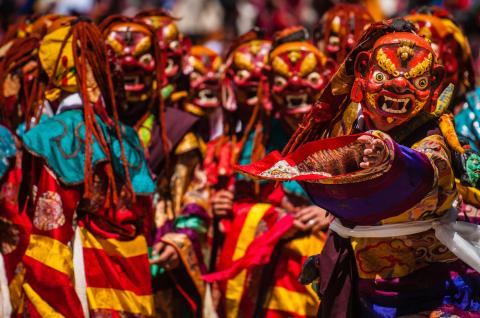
<point>312,218</point>
<point>222,203</point>
<point>165,255</point>
<point>374,152</point>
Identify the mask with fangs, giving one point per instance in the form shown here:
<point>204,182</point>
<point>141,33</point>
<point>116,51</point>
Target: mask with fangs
<point>339,30</point>
<point>244,74</point>
<point>172,43</point>
<point>131,55</point>
<point>451,47</point>
<point>396,80</point>
<point>298,73</point>
<point>204,67</point>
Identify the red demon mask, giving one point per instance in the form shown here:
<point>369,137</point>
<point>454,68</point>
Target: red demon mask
<point>245,71</point>
<point>396,79</point>
<point>130,47</point>
<point>171,43</point>
<point>204,77</point>
<point>298,73</point>
<point>449,44</point>
<point>339,30</point>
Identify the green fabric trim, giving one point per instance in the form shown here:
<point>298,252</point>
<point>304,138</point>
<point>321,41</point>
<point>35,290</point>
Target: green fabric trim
<point>145,130</point>
<point>167,91</point>
<point>60,141</point>
<point>191,222</point>
<point>155,269</point>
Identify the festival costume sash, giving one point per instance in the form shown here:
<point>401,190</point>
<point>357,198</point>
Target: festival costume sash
<point>461,238</point>
<point>245,248</point>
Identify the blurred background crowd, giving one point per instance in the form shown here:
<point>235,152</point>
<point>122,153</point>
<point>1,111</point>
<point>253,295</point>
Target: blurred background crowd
<point>215,23</point>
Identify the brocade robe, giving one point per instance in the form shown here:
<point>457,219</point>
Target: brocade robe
<point>83,256</point>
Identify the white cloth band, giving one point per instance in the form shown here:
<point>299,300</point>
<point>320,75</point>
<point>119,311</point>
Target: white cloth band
<point>5,304</point>
<point>79,272</point>
<point>461,238</point>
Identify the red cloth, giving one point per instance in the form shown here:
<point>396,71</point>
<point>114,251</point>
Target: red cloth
<point>258,253</point>
<point>10,211</point>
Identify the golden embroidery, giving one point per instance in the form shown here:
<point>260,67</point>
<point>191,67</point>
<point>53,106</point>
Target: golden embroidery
<point>386,64</point>
<point>398,256</point>
<point>49,212</point>
<point>421,67</point>
<point>405,51</point>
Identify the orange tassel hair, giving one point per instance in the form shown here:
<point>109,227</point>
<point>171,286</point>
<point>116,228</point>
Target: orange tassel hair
<point>160,64</point>
<point>89,50</point>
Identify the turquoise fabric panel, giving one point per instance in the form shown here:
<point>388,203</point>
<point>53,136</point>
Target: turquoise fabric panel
<point>8,149</point>
<point>277,141</point>
<point>60,140</point>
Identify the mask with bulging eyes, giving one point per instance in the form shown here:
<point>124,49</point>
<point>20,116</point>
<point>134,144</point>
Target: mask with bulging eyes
<point>131,51</point>
<point>245,69</point>
<point>339,30</point>
<point>171,44</point>
<point>449,44</point>
<point>297,76</point>
<point>204,76</point>
<point>396,80</point>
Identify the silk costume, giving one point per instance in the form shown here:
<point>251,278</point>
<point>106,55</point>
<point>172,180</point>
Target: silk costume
<point>257,267</point>
<point>377,270</point>
<point>88,241</point>
<point>139,49</point>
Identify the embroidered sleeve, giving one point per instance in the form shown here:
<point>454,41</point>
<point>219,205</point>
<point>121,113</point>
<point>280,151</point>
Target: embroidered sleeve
<point>435,148</point>
<point>48,259</point>
<point>329,161</point>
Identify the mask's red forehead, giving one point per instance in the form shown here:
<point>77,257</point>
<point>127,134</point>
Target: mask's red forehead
<point>129,38</point>
<point>403,57</point>
<point>204,59</point>
<point>296,58</point>
<point>400,53</point>
<point>397,37</point>
<point>256,51</point>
